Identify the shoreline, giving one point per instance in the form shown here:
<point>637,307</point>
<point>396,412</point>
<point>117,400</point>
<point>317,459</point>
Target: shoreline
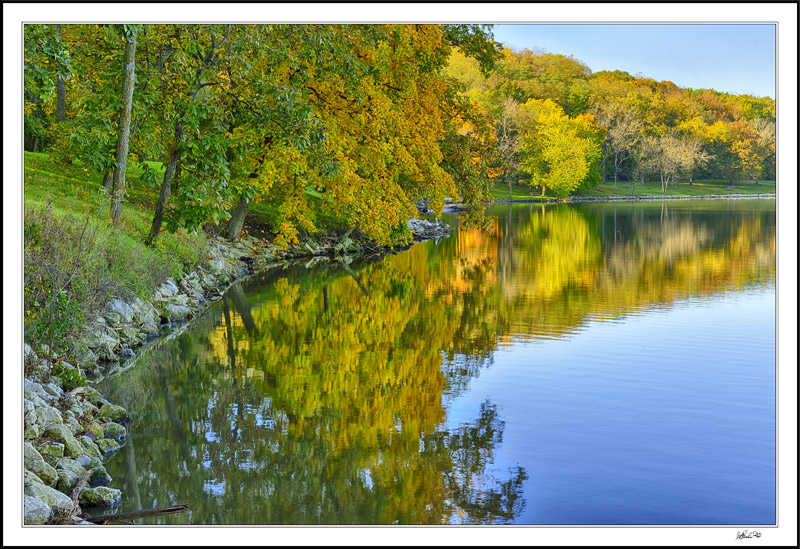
<point>69,430</point>
<point>649,198</point>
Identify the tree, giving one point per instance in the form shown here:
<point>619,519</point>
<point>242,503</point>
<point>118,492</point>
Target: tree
<point>559,152</point>
<point>123,133</point>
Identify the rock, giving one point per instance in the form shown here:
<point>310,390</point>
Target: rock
<point>118,312</point>
<point>100,476</point>
<point>83,460</point>
<point>67,480</point>
<point>29,477</point>
<point>63,433</point>
<point>126,353</point>
<point>84,356</point>
<point>33,388</point>
<point>145,316</point>
<point>97,430</point>
<point>90,448</point>
<point>35,463</point>
<point>52,449</point>
<point>113,412</point>
<point>167,289</point>
<point>30,424</point>
<point>35,511</point>
<point>72,423</point>
<point>58,501</point>
<point>108,445</point>
<point>73,465</point>
<point>170,312</point>
<point>100,496</point>
<point>115,431</point>
<point>102,341</point>
<point>53,390</point>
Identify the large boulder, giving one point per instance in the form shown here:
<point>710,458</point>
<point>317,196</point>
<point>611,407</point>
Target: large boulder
<point>32,388</point>
<point>63,434</point>
<point>170,312</point>
<point>35,511</point>
<point>108,445</point>
<point>90,448</point>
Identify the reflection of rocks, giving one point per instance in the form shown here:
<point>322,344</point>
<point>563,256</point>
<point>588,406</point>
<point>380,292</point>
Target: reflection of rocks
<point>422,229</point>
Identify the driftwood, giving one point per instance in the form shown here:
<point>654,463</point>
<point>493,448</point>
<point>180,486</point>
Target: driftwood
<point>76,492</point>
<point>130,515</point>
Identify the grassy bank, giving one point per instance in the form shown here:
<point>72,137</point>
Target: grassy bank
<point>649,188</point>
<point>75,261</point>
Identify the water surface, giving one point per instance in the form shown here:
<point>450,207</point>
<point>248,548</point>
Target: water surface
<point>577,364</point>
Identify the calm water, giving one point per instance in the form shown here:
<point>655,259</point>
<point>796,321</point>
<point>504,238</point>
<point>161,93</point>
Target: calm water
<point>590,364</point>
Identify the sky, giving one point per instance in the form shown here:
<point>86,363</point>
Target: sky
<point>734,58</point>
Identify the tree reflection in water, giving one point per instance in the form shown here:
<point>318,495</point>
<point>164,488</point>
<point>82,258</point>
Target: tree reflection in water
<point>321,396</point>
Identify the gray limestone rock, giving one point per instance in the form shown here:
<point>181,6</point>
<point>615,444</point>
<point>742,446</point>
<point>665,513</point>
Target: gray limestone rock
<point>35,511</point>
<point>118,312</point>
<point>56,500</point>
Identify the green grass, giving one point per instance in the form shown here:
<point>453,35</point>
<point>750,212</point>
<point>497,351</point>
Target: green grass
<point>649,188</point>
<point>75,260</point>
<point>681,188</point>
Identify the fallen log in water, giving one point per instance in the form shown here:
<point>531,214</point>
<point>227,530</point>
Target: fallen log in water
<point>130,515</point>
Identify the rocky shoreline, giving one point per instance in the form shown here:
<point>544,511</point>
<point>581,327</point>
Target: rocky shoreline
<point>69,431</point>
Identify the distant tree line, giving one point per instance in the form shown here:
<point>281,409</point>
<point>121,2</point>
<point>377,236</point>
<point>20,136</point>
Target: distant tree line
<point>560,126</point>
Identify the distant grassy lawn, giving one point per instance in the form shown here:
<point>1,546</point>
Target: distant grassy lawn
<point>650,188</point>
<point>682,188</point>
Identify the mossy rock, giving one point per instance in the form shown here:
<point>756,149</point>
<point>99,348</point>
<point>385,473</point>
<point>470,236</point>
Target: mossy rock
<point>100,476</point>
<point>56,500</point>
<point>35,463</point>
<point>100,496</point>
<point>108,446</point>
<point>90,448</point>
<point>113,412</point>
<point>115,431</point>
<point>52,449</point>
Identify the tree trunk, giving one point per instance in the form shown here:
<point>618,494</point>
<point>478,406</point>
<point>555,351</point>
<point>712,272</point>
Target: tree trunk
<point>106,184</point>
<point>730,183</point>
<point>61,92</point>
<point>691,177</point>
<point>123,133</point>
<point>35,144</point>
<point>166,185</point>
<point>236,222</point>
<point>604,163</point>
<point>544,188</point>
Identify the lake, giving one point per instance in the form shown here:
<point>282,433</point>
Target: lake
<point>573,364</point>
